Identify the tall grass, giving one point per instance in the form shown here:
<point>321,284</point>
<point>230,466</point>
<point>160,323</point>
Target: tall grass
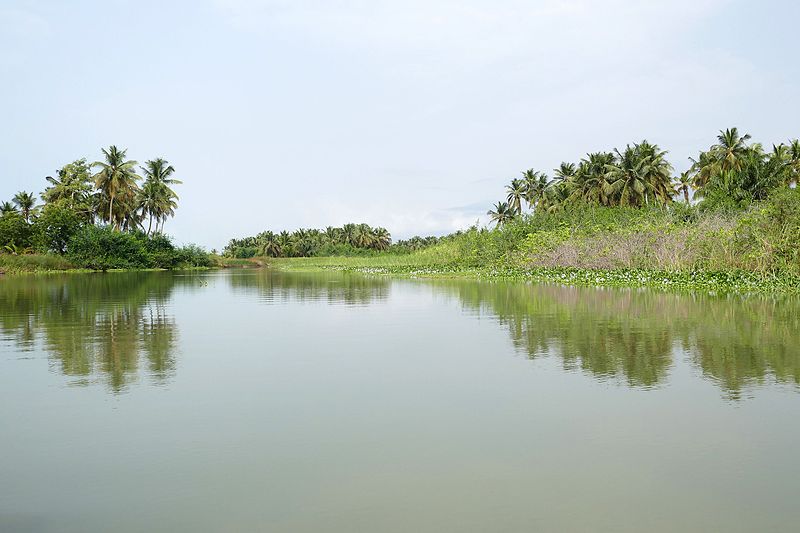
<point>33,263</point>
<point>762,239</point>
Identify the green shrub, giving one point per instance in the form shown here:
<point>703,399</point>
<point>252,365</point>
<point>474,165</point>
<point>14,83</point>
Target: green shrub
<point>55,226</point>
<point>15,232</point>
<point>102,248</point>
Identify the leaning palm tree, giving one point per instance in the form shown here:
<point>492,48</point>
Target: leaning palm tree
<point>516,192</point>
<point>502,213</point>
<point>26,202</point>
<point>116,182</point>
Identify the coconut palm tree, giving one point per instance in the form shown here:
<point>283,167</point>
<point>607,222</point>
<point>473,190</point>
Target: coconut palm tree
<point>535,184</point>
<point>270,244</point>
<point>116,182</point>
<point>794,162</point>
<point>683,185</point>
<point>26,201</point>
<point>150,202</point>
<point>516,193</point>
<point>502,213</point>
<point>6,208</point>
<point>730,149</point>
<point>628,180</point>
<point>656,170</point>
<point>159,172</point>
<point>381,239</point>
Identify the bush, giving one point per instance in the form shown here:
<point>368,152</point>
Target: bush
<point>193,255</point>
<point>55,226</point>
<point>15,233</point>
<point>102,248</point>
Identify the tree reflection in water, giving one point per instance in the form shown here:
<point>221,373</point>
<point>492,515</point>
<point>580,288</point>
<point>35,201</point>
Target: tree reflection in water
<point>96,324</point>
<point>738,342</point>
<point>118,325</point>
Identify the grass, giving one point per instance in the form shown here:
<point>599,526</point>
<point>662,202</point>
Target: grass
<point>683,248</point>
<point>18,264</point>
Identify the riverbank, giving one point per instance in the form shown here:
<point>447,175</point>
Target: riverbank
<point>718,282</point>
<point>53,263</point>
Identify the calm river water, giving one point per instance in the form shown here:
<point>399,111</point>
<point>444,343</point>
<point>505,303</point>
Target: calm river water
<point>266,401</point>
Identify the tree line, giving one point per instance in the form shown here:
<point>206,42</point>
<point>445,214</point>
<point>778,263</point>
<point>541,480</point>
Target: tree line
<point>104,214</point>
<point>732,173</point>
<point>303,242</point>
<point>349,239</point>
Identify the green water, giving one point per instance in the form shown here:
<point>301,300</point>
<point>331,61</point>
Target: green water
<point>266,401</point>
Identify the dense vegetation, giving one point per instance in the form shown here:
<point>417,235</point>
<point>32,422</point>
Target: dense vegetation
<point>621,218</point>
<point>109,218</point>
<point>348,240</point>
<point>731,174</point>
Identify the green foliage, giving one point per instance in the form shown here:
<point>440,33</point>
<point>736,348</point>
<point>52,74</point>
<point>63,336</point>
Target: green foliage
<point>15,232</point>
<point>33,263</point>
<point>348,239</point>
<point>102,248</point>
<point>55,226</point>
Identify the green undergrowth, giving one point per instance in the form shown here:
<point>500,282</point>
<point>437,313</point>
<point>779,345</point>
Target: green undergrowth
<point>18,264</point>
<point>721,282</point>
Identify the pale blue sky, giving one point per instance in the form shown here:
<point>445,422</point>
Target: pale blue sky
<point>409,114</point>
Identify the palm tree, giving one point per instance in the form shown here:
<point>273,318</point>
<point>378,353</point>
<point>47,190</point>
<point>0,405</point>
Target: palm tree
<point>730,148</point>
<point>6,208</point>
<point>656,170</point>
<point>350,234</point>
<point>502,213</point>
<point>158,172</point>
<point>590,181</point>
<point>516,192</point>
<point>381,239</point>
<point>270,244</point>
<point>150,202</point>
<point>628,181</point>
<point>683,184</point>
<point>26,202</point>
<point>535,185</point>
<point>794,162</point>
<point>116,181</point>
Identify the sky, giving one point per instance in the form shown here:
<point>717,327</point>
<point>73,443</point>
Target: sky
<point>412,114</point>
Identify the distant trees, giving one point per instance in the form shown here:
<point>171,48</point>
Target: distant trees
<point>349,238</point>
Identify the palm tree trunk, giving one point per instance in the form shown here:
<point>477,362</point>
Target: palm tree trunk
<point>150,224</point>
<point>110,211</point>
<point>686,195</point>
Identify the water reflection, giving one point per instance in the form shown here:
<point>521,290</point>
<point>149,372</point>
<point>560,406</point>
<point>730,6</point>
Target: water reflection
<point>637,334</point>
<point>116,327</point>
<point>94,326</point>
<point>331,287</point>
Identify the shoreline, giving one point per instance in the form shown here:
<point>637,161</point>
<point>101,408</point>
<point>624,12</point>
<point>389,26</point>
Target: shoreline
<point>705,281</point>
<point>709,282</point>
